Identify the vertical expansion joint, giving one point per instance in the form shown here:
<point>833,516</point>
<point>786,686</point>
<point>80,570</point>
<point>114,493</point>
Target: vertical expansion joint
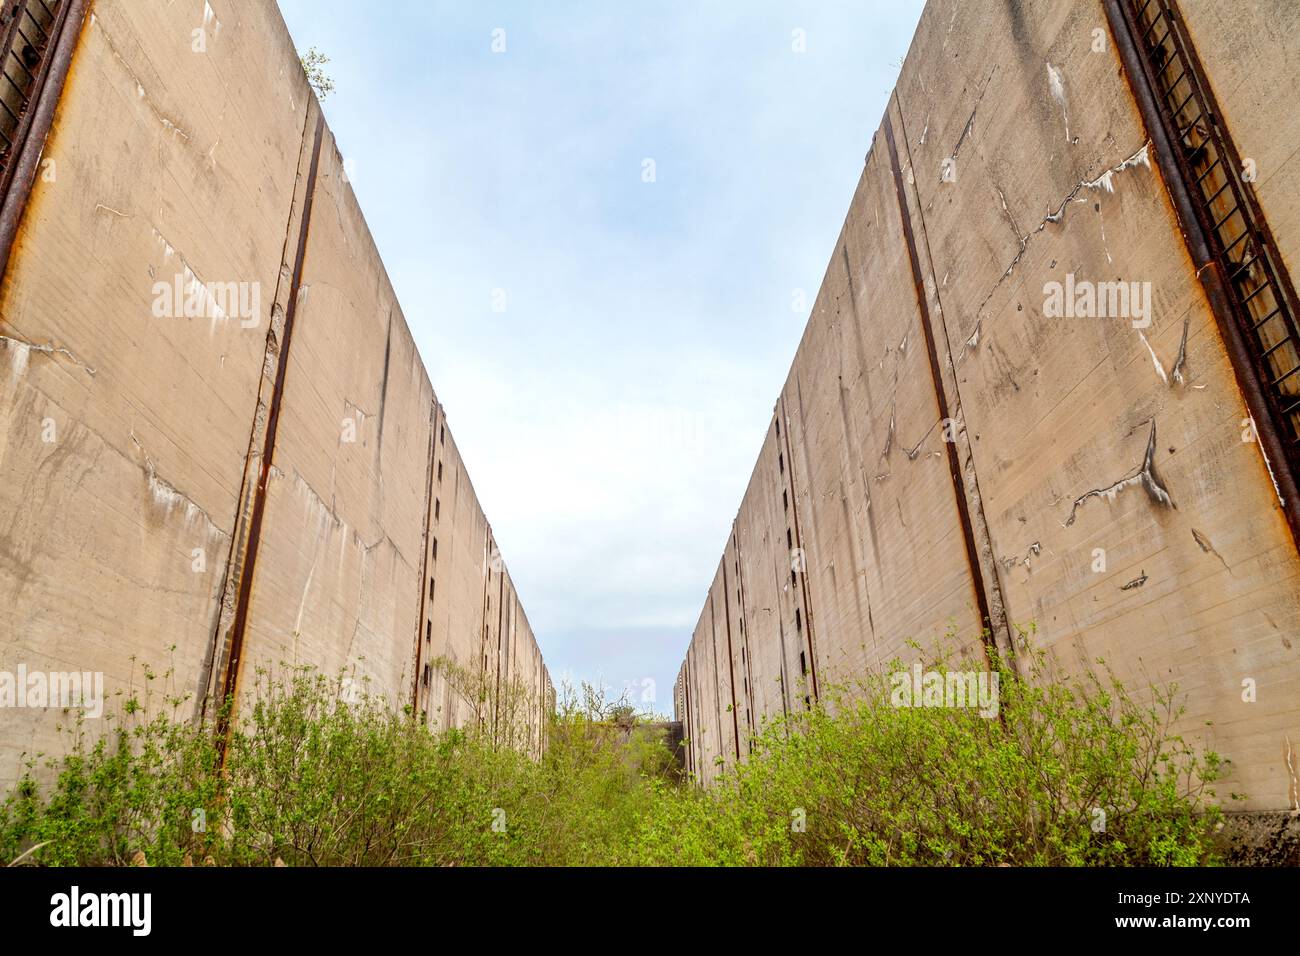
<point>731,658</point>
<point>747,655</point>
<point>425,611</point>
<point>717,674</point>
<point>37,40</point>
<point>501,608</point>
<point>690,724</point>
<point>954,463</point>
<point>804,590</point>
<point>230,679</point>
<point>1247,284</point>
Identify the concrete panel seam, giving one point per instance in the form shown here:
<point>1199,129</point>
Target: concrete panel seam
<point>998,620</point>
<point>954,465</point>
<point>247,571</point>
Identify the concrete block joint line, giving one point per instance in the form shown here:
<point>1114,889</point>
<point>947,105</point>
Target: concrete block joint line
<point>229,673</point>
<point>988,625</point>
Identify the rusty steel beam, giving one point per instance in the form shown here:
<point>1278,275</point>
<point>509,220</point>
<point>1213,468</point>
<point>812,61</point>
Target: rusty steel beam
<point>690,725</point>
<point>34,126</point>
<point>230,679</point>
<point>424,559</point>
<point>1209,269</point>
<point>731,659</point>
<point>954,463</point>
<point>803,552</point>
<point>744,634</point>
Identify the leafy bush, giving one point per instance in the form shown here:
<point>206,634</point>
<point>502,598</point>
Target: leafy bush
<point>1070,772</point>
<point>317,773</point>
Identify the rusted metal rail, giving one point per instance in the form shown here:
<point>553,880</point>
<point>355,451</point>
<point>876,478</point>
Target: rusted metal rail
<point>37,40</point>
<point>954,462</point>
<point>1248,286</point>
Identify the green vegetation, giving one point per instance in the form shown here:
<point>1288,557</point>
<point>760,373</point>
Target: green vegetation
<point>313,64</point>
<point>317,775</point>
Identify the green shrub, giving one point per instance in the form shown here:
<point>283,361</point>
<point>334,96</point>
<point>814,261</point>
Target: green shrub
<point>314,775</point>
<point>1070,772</point>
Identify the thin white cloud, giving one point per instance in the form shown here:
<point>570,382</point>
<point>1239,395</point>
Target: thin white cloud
<point>610,416</point>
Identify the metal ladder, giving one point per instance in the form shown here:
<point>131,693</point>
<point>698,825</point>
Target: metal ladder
<point>1262,298</point>
<point>27,30</point>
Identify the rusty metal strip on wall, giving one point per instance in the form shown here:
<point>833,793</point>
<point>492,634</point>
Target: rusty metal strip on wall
<point>1180,146</point>
<point>731,654</point>
<point>495,655</point>
<point>1000,629</point>
<point>420,622</point>
<point>482,662</point>
<point>954,464</point>
<point>803,552</point>
<point>226,655</point>
<point>747,656</point>
<point>22,155</point>
<point>717,674</point>
<point>690,724</point>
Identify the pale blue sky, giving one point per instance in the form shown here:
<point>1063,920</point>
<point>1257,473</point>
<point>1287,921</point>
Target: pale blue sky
<point>611,414</point>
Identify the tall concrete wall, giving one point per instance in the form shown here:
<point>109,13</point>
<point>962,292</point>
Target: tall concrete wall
<point>132,443</point>
<point>1020,156</point>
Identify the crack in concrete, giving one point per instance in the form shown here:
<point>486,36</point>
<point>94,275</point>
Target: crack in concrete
<point>970,122</point>
<point>1175,375</point>
<point>889,437</point>
<point>196,291</point>
<point>1160,369</point>
<point>1146,476</point>
<point>166,495</point>
<point>1295,781</point>
<point>23,349</point>
<point>1181,361</point>
<point>167,124</point>
<point>1204,543</point>
<point>1104,181</point>
<point>1035,550</point>
<point>916,449</point>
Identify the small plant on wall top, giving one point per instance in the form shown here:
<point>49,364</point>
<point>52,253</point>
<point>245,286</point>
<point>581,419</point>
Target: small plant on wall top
<point>313,64</point>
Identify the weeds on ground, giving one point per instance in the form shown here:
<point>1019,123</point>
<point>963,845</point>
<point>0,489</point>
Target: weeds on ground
<point>1071,771</point>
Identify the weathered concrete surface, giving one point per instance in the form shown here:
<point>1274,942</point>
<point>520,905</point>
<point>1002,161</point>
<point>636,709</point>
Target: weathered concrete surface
<point>768,589</point>
<point>102,522</point>
<point>125,434</point>
<point>338,576</point>
<point>475,636</point>
<point>1046,176</point>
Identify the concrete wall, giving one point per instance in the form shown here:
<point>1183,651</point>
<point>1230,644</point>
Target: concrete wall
<point>1038,129</point>
<point>131,442</point>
